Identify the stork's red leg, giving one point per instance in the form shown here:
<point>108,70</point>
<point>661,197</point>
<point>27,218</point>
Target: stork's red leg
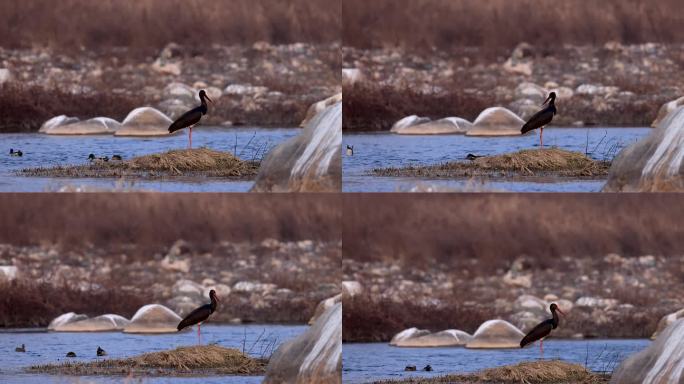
<point>541,137</point>
<point>541,347</point>
<point>199,334</point>
<point>190,138</point>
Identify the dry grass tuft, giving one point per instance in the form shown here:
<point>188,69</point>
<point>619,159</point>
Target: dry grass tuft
<point>183,359</point>
<point>531,372</point>
<point>184,160</point>
<point>540,372</point>
<point>527,162</point>
<point>181,162</point>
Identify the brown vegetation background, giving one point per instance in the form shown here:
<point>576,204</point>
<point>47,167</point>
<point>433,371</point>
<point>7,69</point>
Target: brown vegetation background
<point>497,228</point>
<point>142,224</point>
<point>475,237</point>
<point>144,24</point>
<point>157,220</point>
<point>442,24</point>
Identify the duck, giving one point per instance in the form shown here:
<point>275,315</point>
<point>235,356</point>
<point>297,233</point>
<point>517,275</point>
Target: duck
<point>92,157</point>
<point>428,368</point>
<point>350,150</point>
<point>472,157</point>
<point>71,354</point>
<point>17,153</point>
<point>117,157</point>
<point>410,368</point>
<point>20,349</point>
<point>101,352</point>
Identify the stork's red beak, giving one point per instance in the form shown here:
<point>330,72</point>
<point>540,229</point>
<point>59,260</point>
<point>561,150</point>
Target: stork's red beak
<point>546,101</point>
<point>216,297</point>
<point>211,101</point>
<point>559,311</point>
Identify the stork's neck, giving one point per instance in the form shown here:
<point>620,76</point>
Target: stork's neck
<point>204,105</point>
<point>214,304</point>
<point>555,318</point>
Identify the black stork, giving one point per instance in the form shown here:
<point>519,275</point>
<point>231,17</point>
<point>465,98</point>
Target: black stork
<point>541,118</point>
<point>199,315</point>
<point>190,118</point>
<point>543,329</point>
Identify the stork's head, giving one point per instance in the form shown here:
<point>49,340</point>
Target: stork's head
<point>203,95</point>
<point>552,97</point>
<point>554,308</point>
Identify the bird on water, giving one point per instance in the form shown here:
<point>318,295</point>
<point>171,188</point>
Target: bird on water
<point>20,349</point>
<point>543,329</point>
<point>101,352</point>
<point>200,315</point>
<point>192,117</point>
<point>542,118</point>
<point>17,153</point>
<point>350,150</point>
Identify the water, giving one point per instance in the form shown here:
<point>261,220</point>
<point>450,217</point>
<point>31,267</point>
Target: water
<point>363,362</point>
<point>46,150</point>
<point>51,347</point>
<point>379,150</point>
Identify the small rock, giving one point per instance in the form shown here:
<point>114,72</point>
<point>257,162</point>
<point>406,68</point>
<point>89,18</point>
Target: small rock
<point>5,75</point>
<point>8,272</point>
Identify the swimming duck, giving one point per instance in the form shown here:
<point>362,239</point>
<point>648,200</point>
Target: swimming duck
<point>472,157</point>
<point>92,157</point>
<point>101,352</point>
<point>428,368</point>
<point>71,354</point>
<point>17,153</point>
<point>20,349</point>
<point>350,150</point>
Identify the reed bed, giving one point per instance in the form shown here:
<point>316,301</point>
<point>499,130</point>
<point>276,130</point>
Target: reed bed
<point>145,25</point>
<point>182,162</point>
<point>197,359</point>
<point>437,24</point>
<point>529,162</point>
<point>530,372</point>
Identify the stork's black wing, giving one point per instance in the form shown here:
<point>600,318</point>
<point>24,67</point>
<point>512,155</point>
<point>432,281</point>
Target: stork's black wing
<point>189,118</point>
<point>197,316</point>
<point>539,119</point>
<point>542,330</point>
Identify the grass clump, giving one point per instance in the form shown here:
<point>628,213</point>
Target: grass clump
<point>531,372</point>
<point>205,359</point>
<point>181,162</point>
<point>528,162</point>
